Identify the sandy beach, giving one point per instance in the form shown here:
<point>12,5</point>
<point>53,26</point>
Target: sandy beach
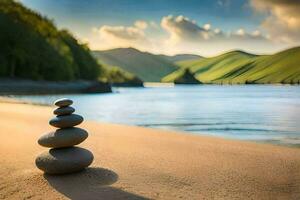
<point>139,163</point>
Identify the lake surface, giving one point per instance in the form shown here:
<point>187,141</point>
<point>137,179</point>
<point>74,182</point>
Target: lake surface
<point>263,113</point>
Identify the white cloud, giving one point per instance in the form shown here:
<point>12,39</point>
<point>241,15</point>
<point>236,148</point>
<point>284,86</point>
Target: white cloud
<point>179,34</point>
<point>182,29</point>
<point>283,18</point>
<point>154,25</point>
<point>141,24</point>
<point>122,32</point>
<point>217,31</point>
<point>207,26</point>
<point>256,33</point>
<point>95,30</point>
<point>186,35</point>
<point>240,32</point>
<point>107,37</point>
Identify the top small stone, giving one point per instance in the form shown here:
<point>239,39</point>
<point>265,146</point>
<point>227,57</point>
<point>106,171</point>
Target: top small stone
<point>63,102</point>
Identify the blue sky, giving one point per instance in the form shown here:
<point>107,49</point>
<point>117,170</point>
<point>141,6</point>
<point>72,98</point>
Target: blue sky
<point>108,24</point>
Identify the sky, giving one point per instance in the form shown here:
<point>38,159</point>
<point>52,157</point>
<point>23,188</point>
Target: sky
<point>204,27</point>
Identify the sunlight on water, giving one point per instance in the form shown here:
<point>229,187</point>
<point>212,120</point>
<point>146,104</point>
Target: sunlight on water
<point>261,113</point>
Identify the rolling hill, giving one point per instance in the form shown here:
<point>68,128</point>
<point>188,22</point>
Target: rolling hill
<point>146,66</point>
<point>238,67</point>
<point>180,57</point>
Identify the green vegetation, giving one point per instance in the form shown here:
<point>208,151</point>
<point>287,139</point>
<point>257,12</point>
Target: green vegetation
<point>146,66</point>
<point>181,57</point>
<point>181,76</point>
<point>117,75</point>
<point>238,67</point>
<point>33,48</point>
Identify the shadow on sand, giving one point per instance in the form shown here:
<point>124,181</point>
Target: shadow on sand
<point>90,184</point>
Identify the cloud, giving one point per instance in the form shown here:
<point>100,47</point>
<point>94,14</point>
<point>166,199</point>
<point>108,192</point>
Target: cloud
<point>244,35</point>
<point>154,25</point>
<point>283,18</point>
<point>206,26</point>
<point>141,24</point>
<point>179,34</point>
<point>122,32</point>
<point>187,36</point>
<point>182,29</point>
<point>107,37</point>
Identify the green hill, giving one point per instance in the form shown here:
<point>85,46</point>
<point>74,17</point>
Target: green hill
<point>148,67</point>
<point>180,57</point>
<point>239,67</point>
<point>181,76</point>
<point>33,48</point>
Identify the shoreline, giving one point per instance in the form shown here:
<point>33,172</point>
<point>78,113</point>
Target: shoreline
<point>30,87</point>
<point>140,163</point>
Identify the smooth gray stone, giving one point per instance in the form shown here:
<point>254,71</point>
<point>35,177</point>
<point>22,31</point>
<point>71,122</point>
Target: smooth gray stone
<point>64,160</point>
<point>64,110</point>
<point>66,121</point>
<point>63,102</point>
<point>66,137</point>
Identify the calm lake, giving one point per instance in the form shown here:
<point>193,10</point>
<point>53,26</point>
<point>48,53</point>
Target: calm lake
<point>263,113</point>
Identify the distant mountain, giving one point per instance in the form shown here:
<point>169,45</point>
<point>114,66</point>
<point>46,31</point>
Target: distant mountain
<point>181,57</point>
<point>238,67</point>
<point>146,66</point>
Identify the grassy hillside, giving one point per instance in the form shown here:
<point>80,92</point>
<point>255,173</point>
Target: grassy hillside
<point>181,76</point>
<point>238,67</point>
<point>146,66</point>
<point>181,57</point>
<point>33,48</point>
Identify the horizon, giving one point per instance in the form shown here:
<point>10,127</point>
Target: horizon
<point>218,54</point>
<point>206,28</point>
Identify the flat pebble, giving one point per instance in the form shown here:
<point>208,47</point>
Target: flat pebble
<point>64,160</point>
<point>66,137</point>
<point>63,102</point>
<point>66,121</point>
<point>64,110</point>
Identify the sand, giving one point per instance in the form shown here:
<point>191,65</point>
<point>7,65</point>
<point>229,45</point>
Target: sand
<point>139,163</point>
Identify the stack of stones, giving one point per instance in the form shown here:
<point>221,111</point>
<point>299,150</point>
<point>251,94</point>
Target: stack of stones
<point>64,157</point>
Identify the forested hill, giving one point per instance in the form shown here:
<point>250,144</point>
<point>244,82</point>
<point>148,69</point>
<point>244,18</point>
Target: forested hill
<point>33,48</point>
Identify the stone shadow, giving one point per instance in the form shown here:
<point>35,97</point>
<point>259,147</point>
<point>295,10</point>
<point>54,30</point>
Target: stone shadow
<point>90,184</point>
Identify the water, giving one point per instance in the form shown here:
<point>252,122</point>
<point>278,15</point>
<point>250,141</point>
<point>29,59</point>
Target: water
<point>262,113</point>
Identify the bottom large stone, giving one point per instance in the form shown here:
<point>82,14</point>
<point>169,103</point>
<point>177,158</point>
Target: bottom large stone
<point>64,160</point>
